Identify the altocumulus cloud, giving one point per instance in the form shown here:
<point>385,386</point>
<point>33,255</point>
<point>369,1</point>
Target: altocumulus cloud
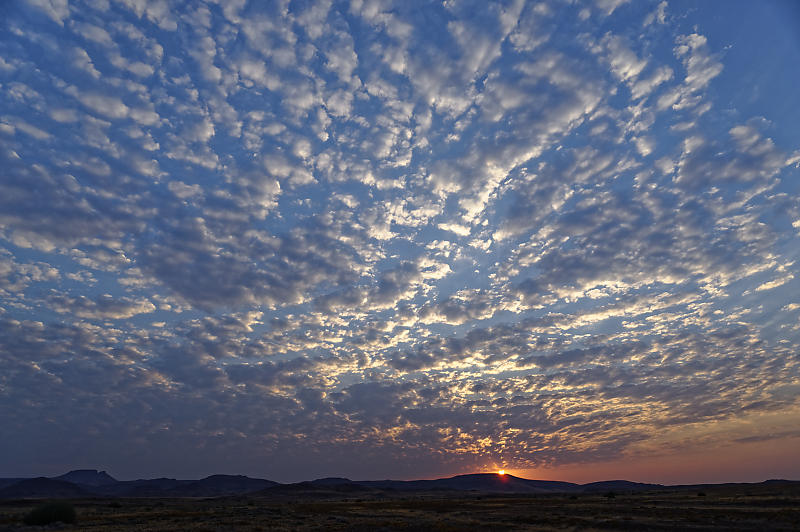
<point>385,239</point>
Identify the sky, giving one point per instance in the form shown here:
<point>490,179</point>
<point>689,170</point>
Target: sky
<point>376,239</point>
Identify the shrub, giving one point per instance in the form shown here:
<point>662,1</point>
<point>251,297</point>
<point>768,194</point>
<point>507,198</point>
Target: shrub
<point>610,495</point>
<point>51,512</point>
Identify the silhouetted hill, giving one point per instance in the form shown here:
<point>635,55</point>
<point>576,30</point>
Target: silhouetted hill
<point>154,487</point>
<point>332,481</point>
<point>488,482</point>
<point>219,485</point>
<point>619,485</point>
<point>94,483</point>
<point>213,486</point>
<point>88,477</point>
<point>314,490</point>
<point>90,482</point>
<point>9,481</point>
<point>41,487</point>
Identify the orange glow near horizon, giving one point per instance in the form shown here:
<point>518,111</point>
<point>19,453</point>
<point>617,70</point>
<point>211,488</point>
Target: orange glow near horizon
<point>501,472</point>
<point>747,462</point>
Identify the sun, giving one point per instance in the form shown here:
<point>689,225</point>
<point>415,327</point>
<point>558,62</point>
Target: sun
<point>501,472</point>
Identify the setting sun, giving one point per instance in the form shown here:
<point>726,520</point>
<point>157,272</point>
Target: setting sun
<point>501,472</point>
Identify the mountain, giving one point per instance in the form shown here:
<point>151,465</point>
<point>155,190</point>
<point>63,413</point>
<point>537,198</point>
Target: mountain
<point>620,485</point>
<point>154,487</point>
<point>220,485</point>
<point>94,483</point>
<point>486,482</point>
<point>479,482</point>
<point>213,486</point>
<point>41,487</point>
<point>328,481</point>
<point>319,490</point>
<point>88,477</point>
<point>9,481</point>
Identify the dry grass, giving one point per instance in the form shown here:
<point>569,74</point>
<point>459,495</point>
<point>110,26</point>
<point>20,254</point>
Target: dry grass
<point>767,508</point>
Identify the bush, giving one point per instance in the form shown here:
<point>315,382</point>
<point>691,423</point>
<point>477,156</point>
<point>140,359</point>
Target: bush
<point>51,512</point>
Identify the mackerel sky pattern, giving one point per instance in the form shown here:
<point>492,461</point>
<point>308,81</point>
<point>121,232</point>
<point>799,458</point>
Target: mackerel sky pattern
<point>375,239</point>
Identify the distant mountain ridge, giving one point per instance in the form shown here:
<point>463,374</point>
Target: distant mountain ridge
<point>619,485</point>
<point>489,482</point>
<point>88,477</point>
<point>43,488</point>
<point>93,483</point>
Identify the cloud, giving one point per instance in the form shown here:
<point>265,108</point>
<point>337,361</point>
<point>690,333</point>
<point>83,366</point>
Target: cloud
<point>28,129</point>
<point>56,10</point>
<point>371,234</point>
<point>624,63</point>
<point>749,158</point>
<point>93,33</point>
<point>100,308</point>
<point>82,60</point>
<point>157,11</point>
<point>701,67</point>
<point>187,259</point>
<point>108,106</point>
<point>15,277</point>
<point>609,6</point>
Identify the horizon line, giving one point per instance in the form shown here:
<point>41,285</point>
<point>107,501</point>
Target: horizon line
<point>507,473</point>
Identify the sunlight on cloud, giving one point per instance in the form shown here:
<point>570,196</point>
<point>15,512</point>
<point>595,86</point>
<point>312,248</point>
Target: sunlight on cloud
<point>454,233</point>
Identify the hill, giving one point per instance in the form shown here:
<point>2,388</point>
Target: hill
<point>220,485</point>
<point>339,489</point>
<point>486,482</point>
<point>41,488</point>
<point>88,477</point>
<point>94,483</point>
<point>619,485</point>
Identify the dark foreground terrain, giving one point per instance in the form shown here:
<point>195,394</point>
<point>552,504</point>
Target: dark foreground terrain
<point>763,507</point>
